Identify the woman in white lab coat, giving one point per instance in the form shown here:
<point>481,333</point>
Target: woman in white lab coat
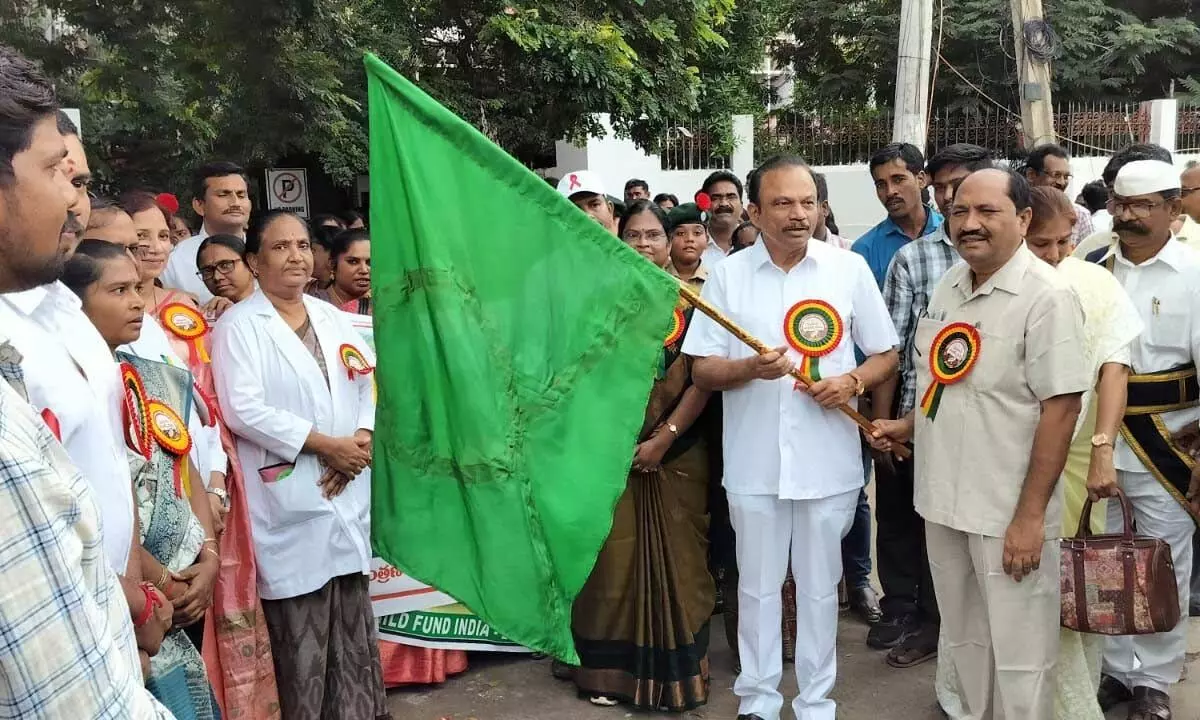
<point>294,380</point>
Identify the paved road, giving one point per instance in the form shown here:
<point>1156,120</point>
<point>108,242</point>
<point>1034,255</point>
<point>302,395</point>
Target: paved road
<point>498,687</point>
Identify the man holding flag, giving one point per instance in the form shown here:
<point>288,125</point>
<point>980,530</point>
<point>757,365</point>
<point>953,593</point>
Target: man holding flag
<point>793,468</point>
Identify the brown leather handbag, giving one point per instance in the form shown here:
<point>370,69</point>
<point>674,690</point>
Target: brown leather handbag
<point>1117,584</point>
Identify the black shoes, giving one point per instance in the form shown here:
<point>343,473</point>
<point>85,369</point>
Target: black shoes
<point>865,604</point>
<point>892,630</point>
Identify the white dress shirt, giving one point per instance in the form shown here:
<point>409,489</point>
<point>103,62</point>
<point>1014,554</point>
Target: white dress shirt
<point>1166,291</point>
<point>181,271</point>
<point>70,371</point>
<point>713,255</point>
<point>778,440</point>
<point>207,454</point>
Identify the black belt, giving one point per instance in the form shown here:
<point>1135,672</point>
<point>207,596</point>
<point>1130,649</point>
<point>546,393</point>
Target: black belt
<point>1150,395</point>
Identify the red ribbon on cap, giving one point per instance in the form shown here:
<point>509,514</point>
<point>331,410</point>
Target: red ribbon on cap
<point>703,201</point>
<point>574,182</point>
<point>168,202</point>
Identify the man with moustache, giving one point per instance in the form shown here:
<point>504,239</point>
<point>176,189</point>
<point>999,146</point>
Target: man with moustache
<point>586,190</point>
<point>793,467</point>
<point>69,644</point>
<point>725,190</point>
<point>1049,165</point>
<point>1102,222</point>
<point>898,171</point>
<point>1154,466</point>
<point>909,629</point>
<point>220,196</point>
<point>1005,332</point>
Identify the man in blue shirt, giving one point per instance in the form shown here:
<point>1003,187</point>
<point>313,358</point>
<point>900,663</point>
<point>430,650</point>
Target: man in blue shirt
<point>899,174</point>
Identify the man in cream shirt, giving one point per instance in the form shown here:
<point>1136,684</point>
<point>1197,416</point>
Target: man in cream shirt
<point>992,430</point>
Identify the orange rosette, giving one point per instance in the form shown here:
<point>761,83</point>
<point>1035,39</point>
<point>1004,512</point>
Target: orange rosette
<point>186,322</point>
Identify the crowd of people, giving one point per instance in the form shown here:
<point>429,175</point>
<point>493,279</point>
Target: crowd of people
<point>187,419</point>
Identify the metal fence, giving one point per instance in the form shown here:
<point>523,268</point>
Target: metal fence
<point>1187,128</point>
<point>690,145</point>
<point>842,138</point>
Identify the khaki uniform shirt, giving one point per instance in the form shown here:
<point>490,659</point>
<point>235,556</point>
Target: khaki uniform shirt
<point>973,457</point>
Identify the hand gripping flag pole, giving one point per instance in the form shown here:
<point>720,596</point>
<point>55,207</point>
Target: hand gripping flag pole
<point>760,347</point>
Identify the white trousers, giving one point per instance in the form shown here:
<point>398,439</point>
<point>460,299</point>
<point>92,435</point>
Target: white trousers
<point>1000,635</point>
<point>768,531</point>
<point>1153,661</point>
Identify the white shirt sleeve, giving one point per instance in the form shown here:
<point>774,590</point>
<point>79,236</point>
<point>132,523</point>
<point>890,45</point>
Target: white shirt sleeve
<point>872,327</point>
<point>705,338</point>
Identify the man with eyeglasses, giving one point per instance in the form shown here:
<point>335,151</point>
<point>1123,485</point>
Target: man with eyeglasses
<point>1050,166</point>
<point>1160,430</point>
<point>1103,237</point>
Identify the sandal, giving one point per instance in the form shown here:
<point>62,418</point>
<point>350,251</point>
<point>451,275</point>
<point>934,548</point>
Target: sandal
<point>603,701</point>
<point>1112,693</point>
<point>914,650</point>
<point>1150,704</point>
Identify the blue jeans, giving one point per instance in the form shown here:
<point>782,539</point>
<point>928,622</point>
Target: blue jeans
<point>856,546</point>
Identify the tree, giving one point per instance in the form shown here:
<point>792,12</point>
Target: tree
<point>169,83</point>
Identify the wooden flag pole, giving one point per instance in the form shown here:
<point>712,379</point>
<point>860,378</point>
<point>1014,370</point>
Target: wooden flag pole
<point>761,348</point>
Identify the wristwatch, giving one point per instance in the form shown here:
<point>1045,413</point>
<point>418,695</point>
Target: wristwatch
<point>1102,439</point>
<point>674,429</point>
<point>221,495</point>
<point>860,386</point>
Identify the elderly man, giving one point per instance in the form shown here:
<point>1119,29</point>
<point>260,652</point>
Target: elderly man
<point>1004,332</point>
<point>793,467</point>
<point>586,190</point>
<point>1102,222</point>
<point>1155,469</point>
<point>1189,194</point>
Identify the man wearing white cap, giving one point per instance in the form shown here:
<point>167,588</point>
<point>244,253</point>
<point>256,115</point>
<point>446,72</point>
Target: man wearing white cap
<point>1154,469</point>
<point>586,190</point>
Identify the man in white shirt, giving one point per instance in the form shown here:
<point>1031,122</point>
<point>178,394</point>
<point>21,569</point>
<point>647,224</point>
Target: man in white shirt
<point>69,647</point>
<point>725,190</point>
<point>1189,193</point>
<point>1154,469</point>
<point>793,466</point>
<point>1103,237</point>
<point>221,198</point>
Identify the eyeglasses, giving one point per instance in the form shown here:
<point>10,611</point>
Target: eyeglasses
<point>1188,191</point>
<point>1140,209</point>
<point>1062,176</point>
<point>650,235</point>
<point>208,272</point>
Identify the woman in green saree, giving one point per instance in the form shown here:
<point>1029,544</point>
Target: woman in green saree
<point>641,621</point>
<point>179,552</point>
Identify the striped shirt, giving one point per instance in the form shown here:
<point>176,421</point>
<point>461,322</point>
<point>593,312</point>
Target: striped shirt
<point>68,647</point>
<point>911,278</point>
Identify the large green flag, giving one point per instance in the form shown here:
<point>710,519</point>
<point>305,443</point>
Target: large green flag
<point>517,342</point>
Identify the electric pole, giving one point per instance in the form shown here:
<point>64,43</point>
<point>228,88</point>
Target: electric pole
<point>911,118</point>
<point>1033,72</point>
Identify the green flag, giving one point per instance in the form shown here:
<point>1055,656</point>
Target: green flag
<point>517,342</point>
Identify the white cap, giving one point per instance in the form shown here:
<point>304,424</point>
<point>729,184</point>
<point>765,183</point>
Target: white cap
<point>581,181</point>
<point>1143,177</point>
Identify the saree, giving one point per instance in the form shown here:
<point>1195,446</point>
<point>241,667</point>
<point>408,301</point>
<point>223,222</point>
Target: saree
<point>1111,323</point>
<point>169,531</point>
<point>236,647</point>
<point>641,622</point>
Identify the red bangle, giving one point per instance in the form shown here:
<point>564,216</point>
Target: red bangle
<point>152,602</point>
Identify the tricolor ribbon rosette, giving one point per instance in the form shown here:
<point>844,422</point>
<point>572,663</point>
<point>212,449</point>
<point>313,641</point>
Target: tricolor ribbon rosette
<point>172,434</point>
<point>678,327</point>
<point>354,361</point>
<point>137,411</point>
<point>953,354</point>
<point>186,322</point>
<point>814,329</point>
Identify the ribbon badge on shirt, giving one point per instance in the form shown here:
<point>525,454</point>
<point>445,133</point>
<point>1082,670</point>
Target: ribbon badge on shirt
<point>186,322</point>
<point>354,361</point>
<point>137,411</point>
<point>677,329</point>
<point>954,352</point>
<point>172,434</point>
<point>814,329</point>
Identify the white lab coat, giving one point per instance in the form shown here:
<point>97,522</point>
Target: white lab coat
<point>272,394</point>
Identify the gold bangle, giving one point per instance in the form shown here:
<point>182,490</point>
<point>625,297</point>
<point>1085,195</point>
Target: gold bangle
<point>162,579</point>
<point>209,540</point>
<point>210,550</point>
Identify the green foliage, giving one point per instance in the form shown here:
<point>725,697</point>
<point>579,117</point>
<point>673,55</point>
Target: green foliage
<point>166,84</point>
<point>1120,50</point>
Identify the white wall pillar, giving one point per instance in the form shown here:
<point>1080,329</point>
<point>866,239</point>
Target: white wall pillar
<point>1163,116</point>
<point>742,160</point>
